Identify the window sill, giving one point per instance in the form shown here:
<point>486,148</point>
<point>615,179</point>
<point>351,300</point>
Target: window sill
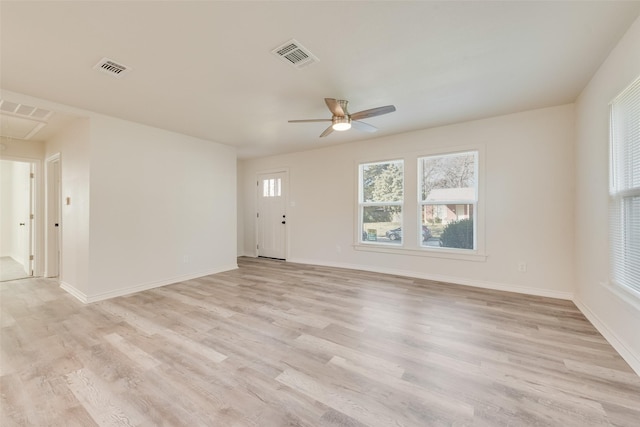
<point>475,256</point>
<point>628,295</point>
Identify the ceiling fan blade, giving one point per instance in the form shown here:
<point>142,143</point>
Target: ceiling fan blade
<point>309,120</point>
<point>373,112</point>
<point>365,127</point>
<point>327,131</point>
<point>334,106</point>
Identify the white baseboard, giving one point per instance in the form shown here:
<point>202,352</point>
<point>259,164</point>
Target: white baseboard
<point>627,354</point>
<point>73,291</point>
<point>448,279</point>
<point>87,299</point>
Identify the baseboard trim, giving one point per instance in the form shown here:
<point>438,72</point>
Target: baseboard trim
<point>79,295</point>
<point>627,354</point>
<point>88,299</point>
<point>447,279</point>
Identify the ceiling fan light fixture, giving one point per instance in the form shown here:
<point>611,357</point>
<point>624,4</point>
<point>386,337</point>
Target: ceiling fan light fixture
<point>341,123</point>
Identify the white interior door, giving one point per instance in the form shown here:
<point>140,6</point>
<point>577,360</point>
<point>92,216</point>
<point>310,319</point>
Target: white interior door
<point>29,217</point>
<point>22,195</point>
<point>272,215</point>
<point>53,225</point>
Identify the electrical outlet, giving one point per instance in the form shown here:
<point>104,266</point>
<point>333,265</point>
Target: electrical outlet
<point>522,267</point>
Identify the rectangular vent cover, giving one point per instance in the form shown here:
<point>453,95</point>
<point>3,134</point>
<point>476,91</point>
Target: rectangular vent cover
<point>112,68</point>
<point>295,54</point>
<point>20,121</point>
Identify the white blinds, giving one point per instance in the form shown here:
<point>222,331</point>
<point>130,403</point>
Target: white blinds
<point>624,201</point>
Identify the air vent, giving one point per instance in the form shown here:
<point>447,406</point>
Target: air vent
<point>25,111</point>
<point>295,54</point>
<point>21,121</point>
<point>112,68</point>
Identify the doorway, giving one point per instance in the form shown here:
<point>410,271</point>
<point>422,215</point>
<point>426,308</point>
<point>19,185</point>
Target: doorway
<point>17,219</point>
<point>272,215</point>
<point>53,220</point>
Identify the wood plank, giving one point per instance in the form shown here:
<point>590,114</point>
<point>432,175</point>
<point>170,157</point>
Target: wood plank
<point>282,344</point>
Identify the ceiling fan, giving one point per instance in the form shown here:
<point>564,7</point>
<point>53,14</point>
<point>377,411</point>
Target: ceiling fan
<point>342,119</point>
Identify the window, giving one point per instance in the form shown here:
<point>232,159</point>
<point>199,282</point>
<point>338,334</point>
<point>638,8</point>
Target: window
<point>381,197</point>
<point>271,187</point>
<point>448,200</point>
<point>624,193</point>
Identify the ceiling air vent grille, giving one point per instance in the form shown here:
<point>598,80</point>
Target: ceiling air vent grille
<point>111,67</point>
<point>295,54</point>
<point>20,121</point>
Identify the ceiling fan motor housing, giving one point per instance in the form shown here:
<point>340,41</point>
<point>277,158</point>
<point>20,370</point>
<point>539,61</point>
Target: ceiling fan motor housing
<point>343,104</point>
<point>341,122</point>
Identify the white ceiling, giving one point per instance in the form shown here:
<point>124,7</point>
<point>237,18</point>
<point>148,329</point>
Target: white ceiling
<point>205,69</point>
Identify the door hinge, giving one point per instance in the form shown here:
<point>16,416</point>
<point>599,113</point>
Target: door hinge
<point>30,257</point>
<point>257,214</point>
<point>257,246</point>
<point>31,175</point>
<point>30,216</point>
<point>257,183</point>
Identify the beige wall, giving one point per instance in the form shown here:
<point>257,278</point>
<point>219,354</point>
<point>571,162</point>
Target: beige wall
<point>147,207</point>
<point>163,207</point>
<point>12,148</point>
<point>73,145</point>
<point>528,202</point>
<point>615,314</point>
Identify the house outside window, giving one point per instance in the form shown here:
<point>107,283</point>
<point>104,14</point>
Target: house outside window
<point>447,200</point>
<point>624,190</point>
<point>381,197</point>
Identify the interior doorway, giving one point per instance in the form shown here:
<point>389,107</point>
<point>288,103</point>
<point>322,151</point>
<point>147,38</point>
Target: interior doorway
<point>17,242</point>
<point>53,218</point>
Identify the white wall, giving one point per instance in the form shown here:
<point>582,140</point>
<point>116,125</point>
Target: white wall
<point>240,206</point>
<point>147,207</point>
<point>616,317</point>
<point>73,144</point>
<point>15,148</point>
<point>163,207</point>
<point>528,200</point>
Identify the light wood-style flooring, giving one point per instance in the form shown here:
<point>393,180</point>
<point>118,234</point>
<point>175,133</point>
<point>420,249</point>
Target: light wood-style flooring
<point>10,269</point>
<point>284,344</point>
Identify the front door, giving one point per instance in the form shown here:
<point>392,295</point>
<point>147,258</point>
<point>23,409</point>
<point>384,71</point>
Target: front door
<point>272,215</point>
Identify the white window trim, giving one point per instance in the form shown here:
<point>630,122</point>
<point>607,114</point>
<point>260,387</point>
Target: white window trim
<point>617,194</point>
<point>451,202</point>
<point>410,247</point>
<point>360,225</point>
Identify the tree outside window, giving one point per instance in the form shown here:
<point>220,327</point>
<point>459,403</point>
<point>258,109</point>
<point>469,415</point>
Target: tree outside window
<point>448,200</point>
<point>381,199</point>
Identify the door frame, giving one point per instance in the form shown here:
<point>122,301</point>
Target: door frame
<point>285,188</point>
<point>53,203</point>
<point>36,224</point>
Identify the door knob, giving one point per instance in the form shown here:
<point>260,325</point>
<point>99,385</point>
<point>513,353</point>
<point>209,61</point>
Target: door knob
<point>284,222</point>
<point>22,223</point>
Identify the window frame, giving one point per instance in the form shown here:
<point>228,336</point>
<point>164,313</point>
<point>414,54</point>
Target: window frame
<point>620,190</point>
<point>362,204</point>
<point>409,245</point>
<point>473,202</point>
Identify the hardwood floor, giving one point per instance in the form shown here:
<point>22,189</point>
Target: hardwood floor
<point>10,269</point>
<point>282,344</point>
